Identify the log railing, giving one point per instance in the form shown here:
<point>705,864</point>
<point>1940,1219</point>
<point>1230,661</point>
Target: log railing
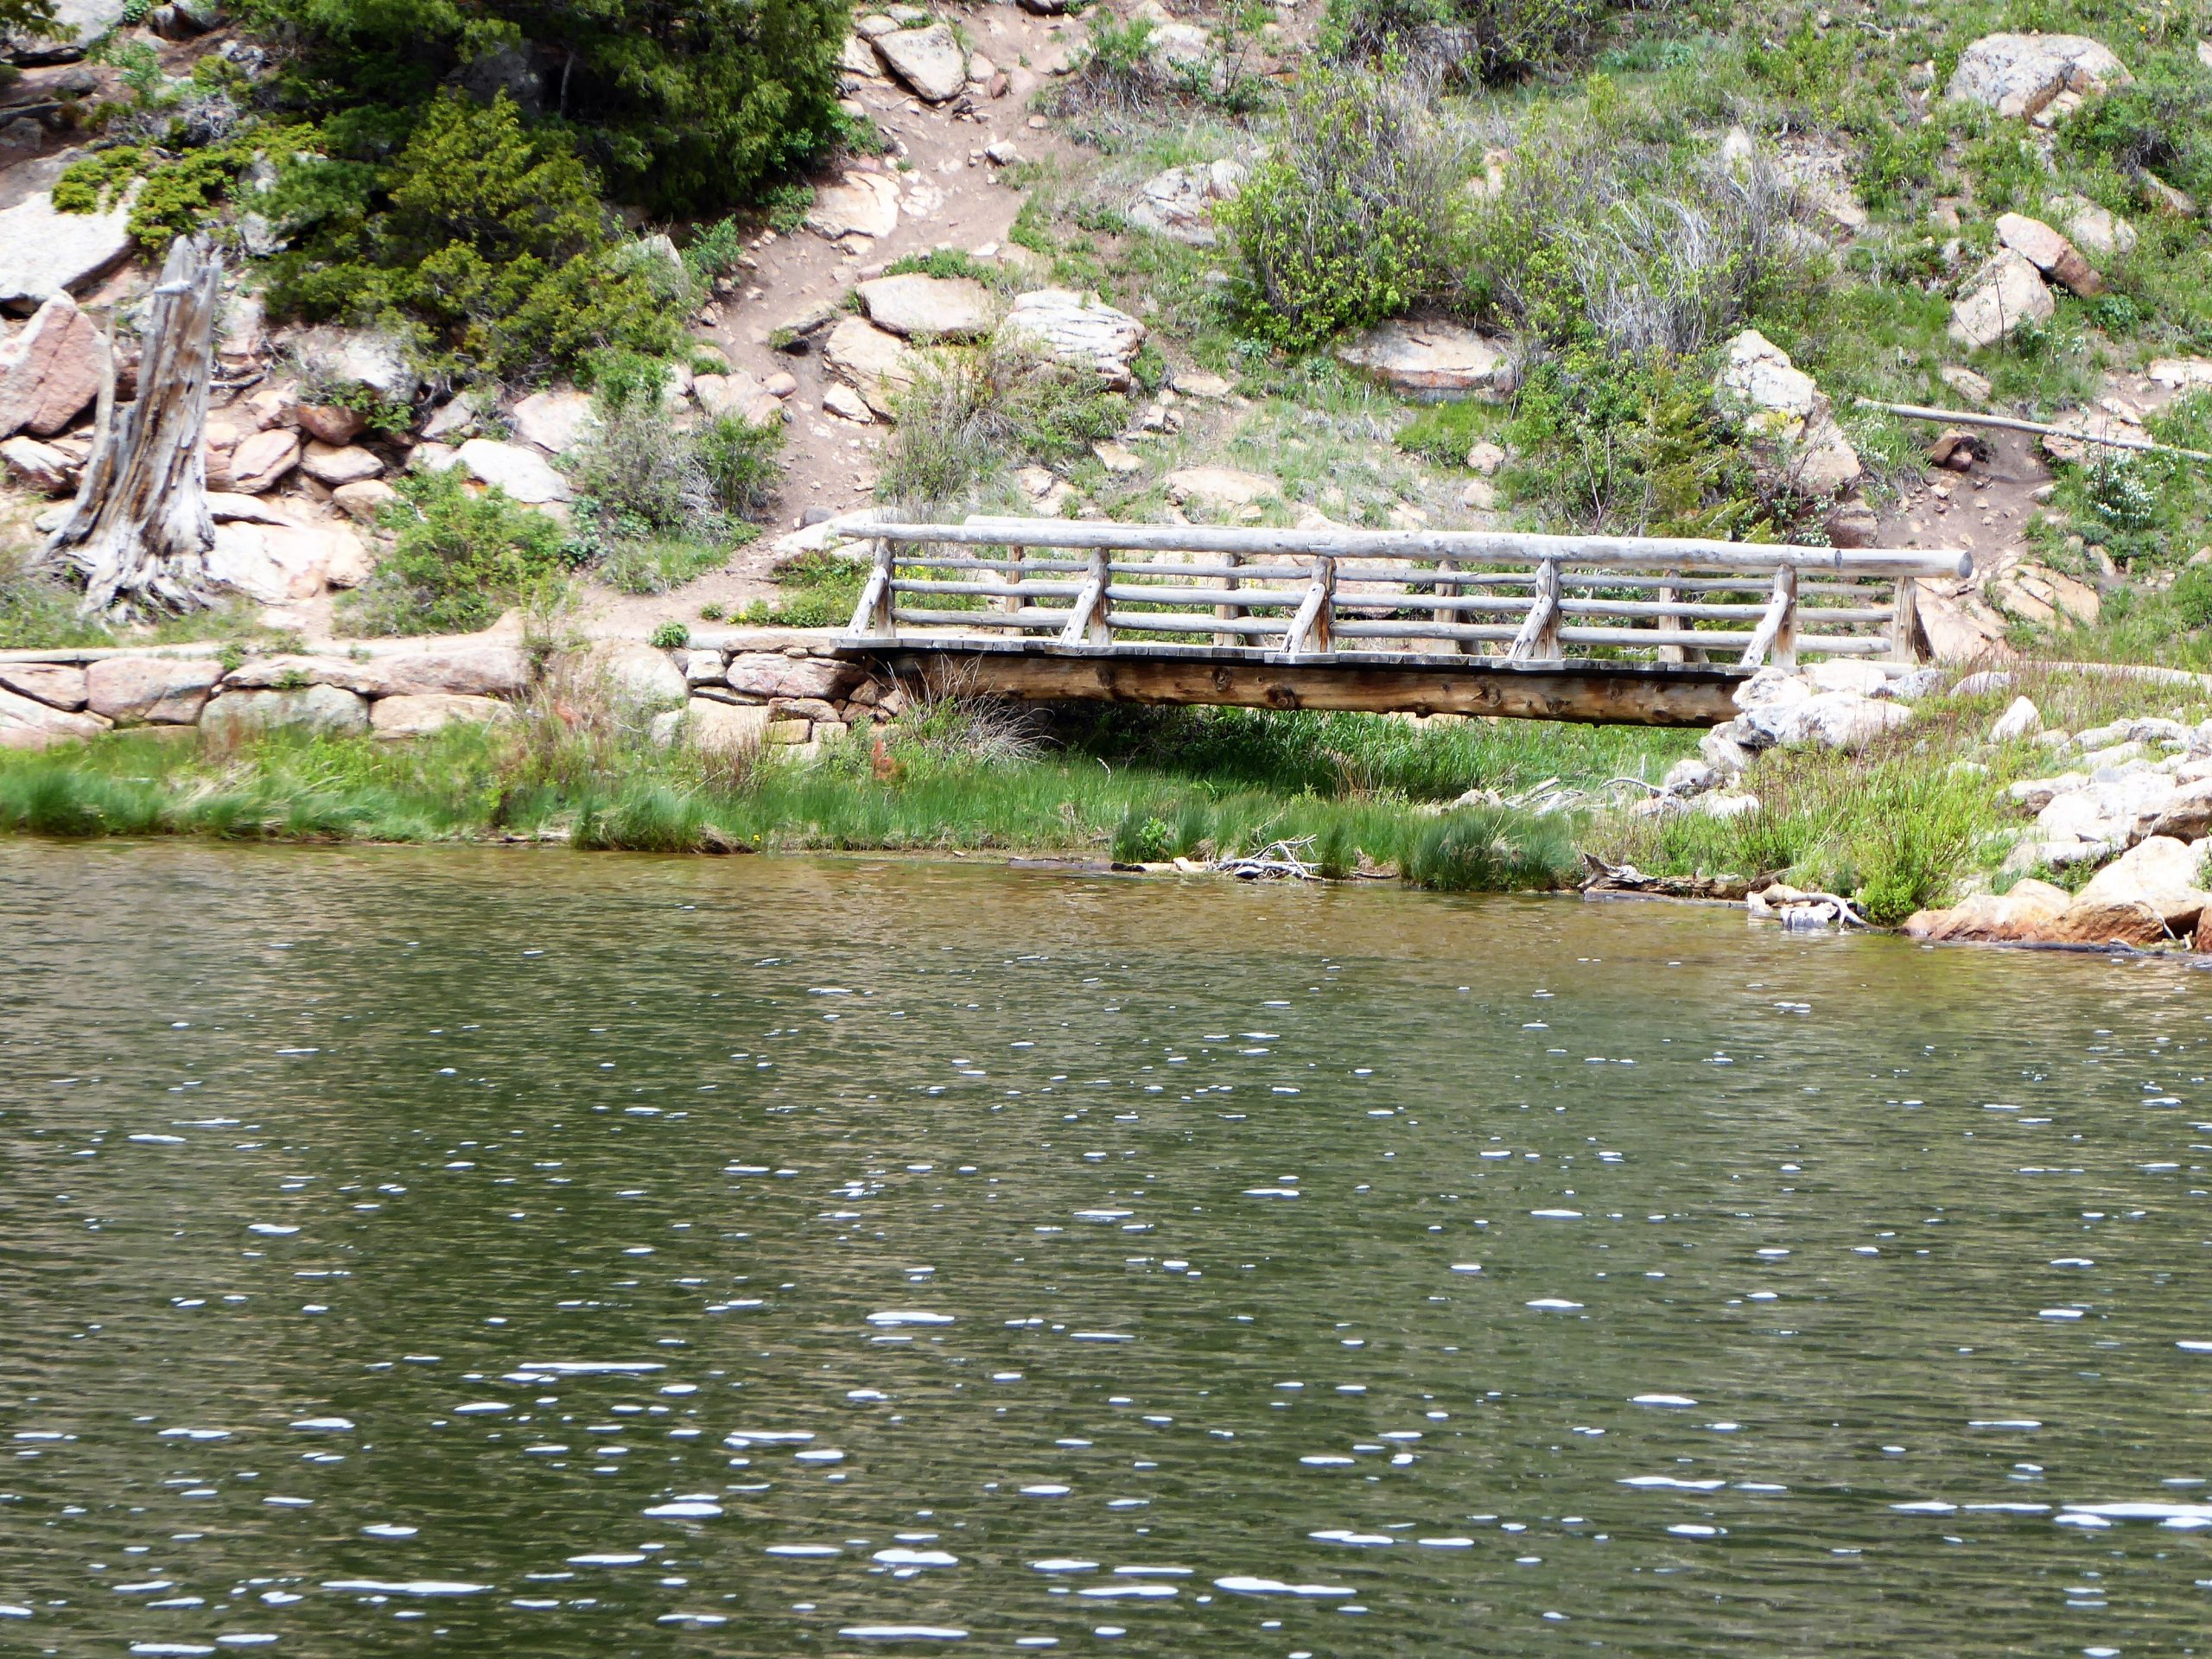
<point>1311,593</point>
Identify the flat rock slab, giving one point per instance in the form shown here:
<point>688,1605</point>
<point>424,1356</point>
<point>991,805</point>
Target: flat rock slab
<point>27,723</point>
<point>861,204</point>
<point>928,60</point>
<point>1431,361</point>
<point>1220,489</point>
<point>948,308</point>
<point>2017,74</point>
<point>44,251</point>
<point>277,562</point>
<point>261,461</point>
<point>1178,203</point>
<point>49,371</point>
<point>877,364</point>
<point>58,685</point>
<point>1076,328</point>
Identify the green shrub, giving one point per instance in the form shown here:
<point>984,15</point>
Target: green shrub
<point>739,460</point>
<point>1353,216</point>
<point>689,108</point>
<point>2156,123</point>
<point>671,636</point>
<point>972,409</point>
<point>461,558</point>
<point>1480,40</point>
<point>485,242</point>
<point>816,590</point>
<point>174,200</point>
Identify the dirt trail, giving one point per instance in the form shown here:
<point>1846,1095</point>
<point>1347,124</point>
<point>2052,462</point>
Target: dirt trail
<point>949,196</point>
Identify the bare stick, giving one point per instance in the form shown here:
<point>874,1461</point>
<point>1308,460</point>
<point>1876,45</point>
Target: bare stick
<point>1966,417</point>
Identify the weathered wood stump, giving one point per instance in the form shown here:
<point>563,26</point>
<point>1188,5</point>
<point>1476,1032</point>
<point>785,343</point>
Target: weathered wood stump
<point>140,531</point>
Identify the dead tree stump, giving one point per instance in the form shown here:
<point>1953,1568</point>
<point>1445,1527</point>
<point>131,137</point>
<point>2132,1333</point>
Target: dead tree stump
<point>140,531</point>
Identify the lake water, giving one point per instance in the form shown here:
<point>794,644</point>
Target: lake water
<point>454,1251</point>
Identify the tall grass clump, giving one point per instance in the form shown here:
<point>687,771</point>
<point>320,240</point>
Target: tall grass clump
<point>1491,849</point>
<point>1355,215</point>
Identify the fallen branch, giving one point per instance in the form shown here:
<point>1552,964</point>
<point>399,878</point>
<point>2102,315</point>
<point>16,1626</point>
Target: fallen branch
<point>1277,860</point>
<point>1965,417</point>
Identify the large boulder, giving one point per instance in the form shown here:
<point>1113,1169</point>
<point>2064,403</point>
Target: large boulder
<point>77,24</point>
<point>27,723</point>
<point>1178,203</point>
<point>767,673</point>
<point>2007,291</point>
<point>44,251</point>
<point>2092,226</point>
<point>877,364</point>
<point>928,60</point>
<point>419,715</point>
<point>2030,910</point>
<point>948,308</point>
<point>260,460</point>
<point>277,562</point>
<point>556,421</point>
<point>334,357</point>
<point>860,203</point>
<point>1431,361</point>
<point>49,371</point>
<point>338,464</point>
<point>522,473</point>
<point>642,677</point>
<point>2147,894</point>
<point>312,711</point>
<point>1784,416</point>
<point>1077,328</point>
<point>2017,74</point>
<point>150,690</point>
<point>738,393</point>
<point>1826,720</point>
<point>725,728</point>
<point>2059,260</point>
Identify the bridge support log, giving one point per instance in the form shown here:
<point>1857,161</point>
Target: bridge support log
<point>1376,681</point>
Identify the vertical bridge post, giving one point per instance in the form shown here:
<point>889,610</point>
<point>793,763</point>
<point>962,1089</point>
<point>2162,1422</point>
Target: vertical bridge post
<point>1777,629</point>
<point>1311,629</point>
<point>1905,621</point>
<point>1538,639</point>
<point>1086,624</point>
<point>872,618</point>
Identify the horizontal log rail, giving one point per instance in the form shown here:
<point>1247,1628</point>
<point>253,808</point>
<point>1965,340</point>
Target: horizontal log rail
<point>1298,593</point>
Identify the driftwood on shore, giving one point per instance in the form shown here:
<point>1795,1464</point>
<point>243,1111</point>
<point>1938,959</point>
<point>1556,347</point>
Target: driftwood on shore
<point>140,531</point>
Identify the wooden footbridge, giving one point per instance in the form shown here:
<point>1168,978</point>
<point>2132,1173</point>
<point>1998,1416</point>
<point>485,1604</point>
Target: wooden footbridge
<point>1475,622</point>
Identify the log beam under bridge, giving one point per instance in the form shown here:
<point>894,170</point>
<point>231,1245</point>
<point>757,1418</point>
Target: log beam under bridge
<point>1375,682</point>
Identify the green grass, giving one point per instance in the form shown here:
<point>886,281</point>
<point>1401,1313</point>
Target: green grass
<point>1360,788</point>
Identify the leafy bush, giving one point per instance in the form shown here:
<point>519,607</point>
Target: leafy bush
<point>461,559</point>
<point>671,636</point>
<point>485,242</point>
<point>739,460</point>
<point>816,590</point>
<point>2156,123</point>
<point>1598,235</point>
<point>687,108</point>
<point>971,410</point>
<point>1480,40</point>
<point>1353,216</point>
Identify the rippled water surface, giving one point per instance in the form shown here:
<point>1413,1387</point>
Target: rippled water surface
<point>415,1251</point>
